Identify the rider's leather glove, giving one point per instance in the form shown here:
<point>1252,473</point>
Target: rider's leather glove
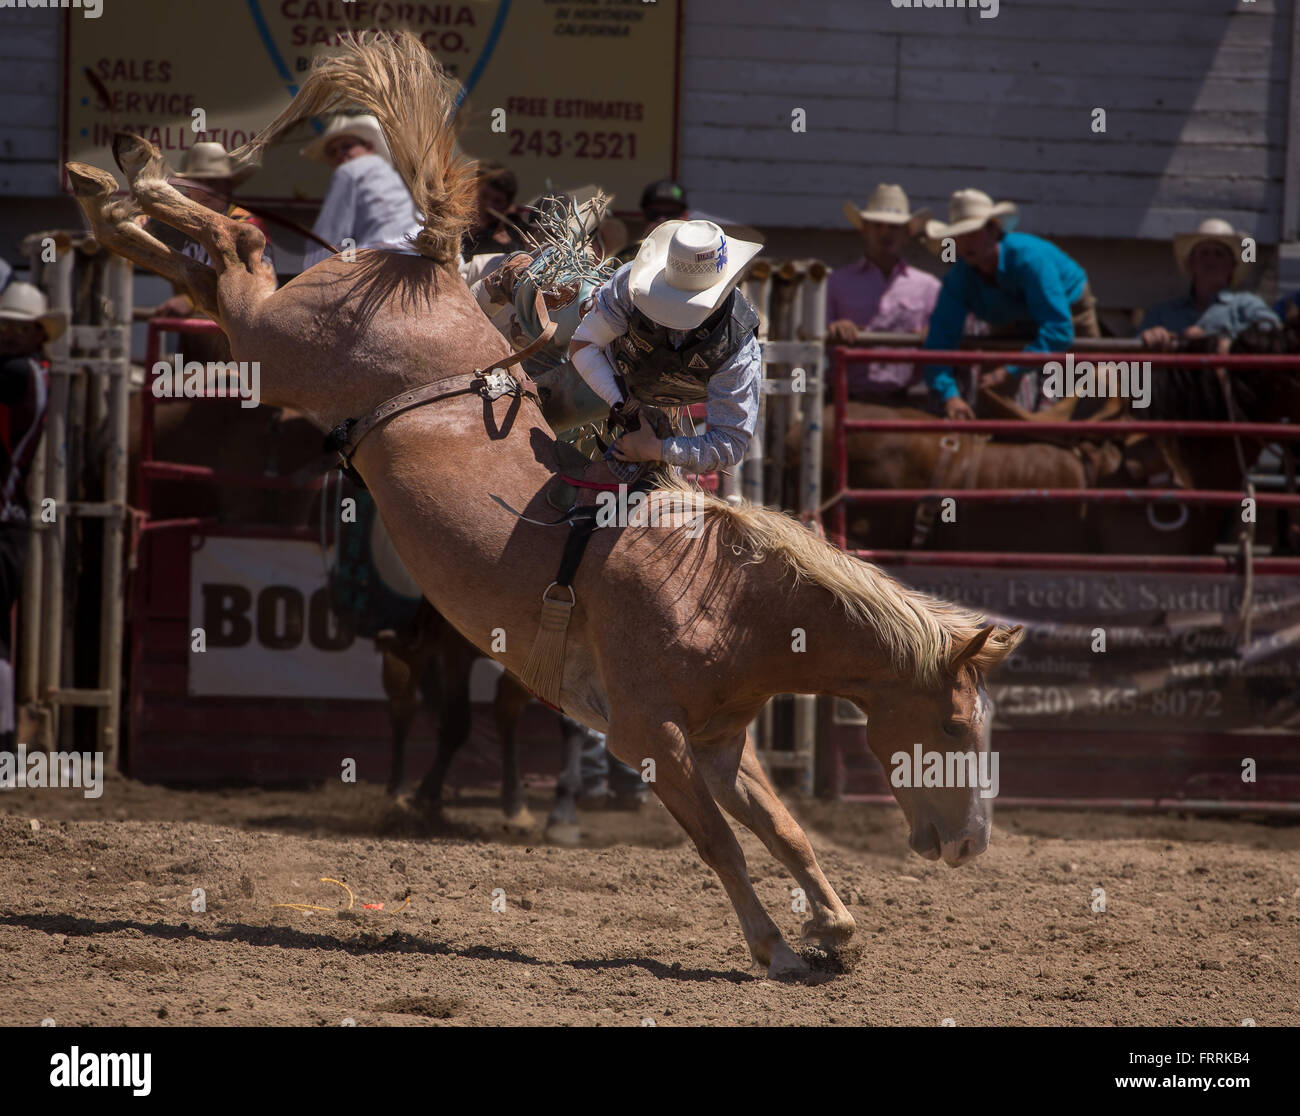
<point>623,416</point>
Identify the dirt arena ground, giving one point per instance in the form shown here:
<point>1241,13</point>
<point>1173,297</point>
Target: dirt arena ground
<point>1202,919</point>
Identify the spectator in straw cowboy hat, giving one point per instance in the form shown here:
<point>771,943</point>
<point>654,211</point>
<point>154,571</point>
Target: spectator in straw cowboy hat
<point>26,326</point>
<point>367,201</point>
<point>1017,283</point>
<point>881,292</point>
<point>207,177</point>
<point>1211,258</point>
<point>670,329</point>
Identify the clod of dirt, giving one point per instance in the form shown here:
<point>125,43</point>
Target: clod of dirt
<point>431,1007</point>
<point>246,886</point>
<point>134,962</point>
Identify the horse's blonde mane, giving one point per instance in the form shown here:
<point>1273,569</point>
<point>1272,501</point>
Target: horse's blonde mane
<point>397,80</point>
<point>921,634</point>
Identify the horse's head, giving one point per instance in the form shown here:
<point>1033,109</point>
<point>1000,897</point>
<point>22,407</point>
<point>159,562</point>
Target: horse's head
<point>933,743</point>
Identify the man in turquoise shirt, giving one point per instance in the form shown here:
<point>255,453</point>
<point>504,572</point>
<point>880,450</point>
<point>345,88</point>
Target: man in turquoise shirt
<point>1019,284</point>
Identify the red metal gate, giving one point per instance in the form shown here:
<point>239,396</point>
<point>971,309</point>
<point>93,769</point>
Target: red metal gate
<point>1066,766</point>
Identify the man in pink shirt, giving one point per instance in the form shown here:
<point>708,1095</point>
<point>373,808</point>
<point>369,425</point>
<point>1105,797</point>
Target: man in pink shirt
<point>881,293</point>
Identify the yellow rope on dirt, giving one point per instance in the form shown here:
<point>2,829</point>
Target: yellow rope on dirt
<point>351,899</point>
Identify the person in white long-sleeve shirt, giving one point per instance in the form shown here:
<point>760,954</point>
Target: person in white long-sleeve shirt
<point>367,201</point>
<point>670,329</point>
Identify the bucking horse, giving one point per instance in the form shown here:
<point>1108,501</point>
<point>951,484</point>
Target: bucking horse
<point>679,632</point>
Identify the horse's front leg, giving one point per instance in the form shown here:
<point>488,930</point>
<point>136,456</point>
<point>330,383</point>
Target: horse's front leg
<point>741,787</point>
<point>681,786</point>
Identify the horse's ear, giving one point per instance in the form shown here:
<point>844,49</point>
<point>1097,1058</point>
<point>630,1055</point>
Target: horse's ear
<point>971,648</point>
<point>977,652</point>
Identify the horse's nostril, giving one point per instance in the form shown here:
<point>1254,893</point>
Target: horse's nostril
<point>925,842</point>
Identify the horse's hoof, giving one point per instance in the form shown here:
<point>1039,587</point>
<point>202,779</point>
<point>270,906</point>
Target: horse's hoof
<point>90,182</point>
<point>135,154</point>
<point>829,947</point>
<point>565,834</point>
<point>521,821</point>
<point>787,965</point>
<point>830,936</point>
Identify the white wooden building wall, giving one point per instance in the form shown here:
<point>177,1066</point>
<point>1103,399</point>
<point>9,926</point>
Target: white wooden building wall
<point>1196,94</point>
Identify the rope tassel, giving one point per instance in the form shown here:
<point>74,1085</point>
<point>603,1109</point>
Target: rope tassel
<point>543,673</point>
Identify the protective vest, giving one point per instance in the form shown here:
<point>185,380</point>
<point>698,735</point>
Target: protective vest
<point>657,373</point>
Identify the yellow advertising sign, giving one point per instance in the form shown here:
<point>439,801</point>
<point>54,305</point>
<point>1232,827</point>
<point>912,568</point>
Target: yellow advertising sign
<point>563,92</point>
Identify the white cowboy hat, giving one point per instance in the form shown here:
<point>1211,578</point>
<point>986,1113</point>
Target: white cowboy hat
<point>683,271</point>
<point>1217,231</point>
<point>969,210</point>
<point>888,205</point>
<point>364,127</point>
<point>23,302</point>
<point>209,161</point>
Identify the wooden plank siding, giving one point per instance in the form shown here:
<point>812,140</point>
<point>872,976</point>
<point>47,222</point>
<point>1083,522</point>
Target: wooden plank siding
<point>1196,94</point>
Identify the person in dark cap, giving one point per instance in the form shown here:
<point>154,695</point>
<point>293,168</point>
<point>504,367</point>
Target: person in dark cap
<point>663,200</point>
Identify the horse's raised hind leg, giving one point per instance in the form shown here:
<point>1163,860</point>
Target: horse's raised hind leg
<point>235,247</point>
<point>741,787</point>
<point>111,223</point>
<point>680,784</point>
<point>512,698</point>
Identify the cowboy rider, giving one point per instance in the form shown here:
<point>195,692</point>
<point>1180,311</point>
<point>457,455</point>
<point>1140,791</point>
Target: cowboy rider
<point>670,329</point>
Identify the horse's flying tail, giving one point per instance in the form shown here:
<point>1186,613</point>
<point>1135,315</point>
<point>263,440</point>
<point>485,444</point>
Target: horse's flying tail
<point>402,85</point>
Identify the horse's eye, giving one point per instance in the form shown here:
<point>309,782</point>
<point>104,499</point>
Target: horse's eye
<point>953,729</point>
